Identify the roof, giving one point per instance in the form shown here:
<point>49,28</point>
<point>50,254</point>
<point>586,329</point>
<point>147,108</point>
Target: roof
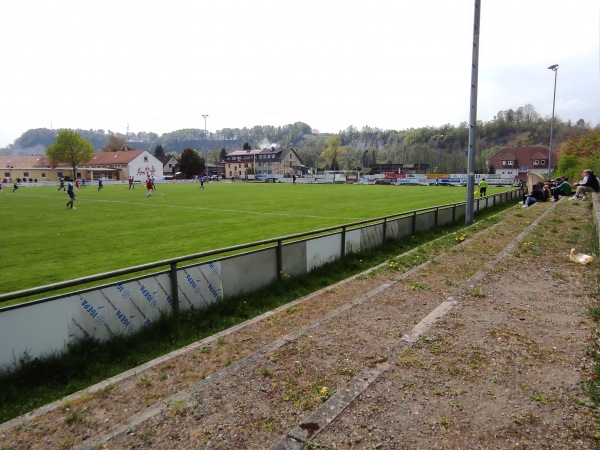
<point>21,162</point>
<point>523,155</point>
<point>99,159</point>
<point>164,159</point>
<point>539,155</point>
<point>508,157</point>
<point>244,152</point>
<point>111,158</point>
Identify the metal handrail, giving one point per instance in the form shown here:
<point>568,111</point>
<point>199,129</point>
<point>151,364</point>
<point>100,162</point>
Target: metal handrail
<point>278,241</point>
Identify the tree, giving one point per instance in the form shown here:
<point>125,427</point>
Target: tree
<point>39,136</point>
<point>114,144</point>
<point>159,152</point>
<point>246,146</point>
<point>70,148</point>
<point>333,152</point>
<point>190,163</point>
<point>579,153</point>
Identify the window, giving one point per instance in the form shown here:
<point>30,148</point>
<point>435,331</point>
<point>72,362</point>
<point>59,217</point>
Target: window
<point>43,174</point>
<point>503,163</point>
<point>536,162</point>
<point>6,174</point>
<point>145,159</point>
<point>543,162</point>
<point>510,163</point>
<point>60,175</point>
<point>26,174</point>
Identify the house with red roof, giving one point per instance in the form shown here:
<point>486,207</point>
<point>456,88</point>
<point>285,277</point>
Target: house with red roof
<point>518,162</point>
<point>116,166</point>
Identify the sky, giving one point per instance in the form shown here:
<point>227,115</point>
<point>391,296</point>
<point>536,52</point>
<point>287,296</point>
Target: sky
<point>159,66</point>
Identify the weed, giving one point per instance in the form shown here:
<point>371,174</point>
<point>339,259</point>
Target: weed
<point>66,442</point>
<point>445,422</point>
<point>410,362</point>
<point>418,287</point>
<point>325,394</point>
<point>74,416</point>
<point>144,381</point>
<point>267,426</point>
<point>292,309</point>
<point>477,292</point>
<point>176,408</point>
<point>540,398</point>
<point>26,426</point>
<point>345,371</point>
<point>476,360</point>
<point>266,372</point>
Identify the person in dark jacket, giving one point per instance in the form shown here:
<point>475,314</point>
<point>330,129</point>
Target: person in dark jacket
<point>538,194</point>
<point>589,184</point>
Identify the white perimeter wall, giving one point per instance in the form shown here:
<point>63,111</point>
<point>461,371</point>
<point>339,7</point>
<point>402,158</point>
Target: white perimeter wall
<point>40,327</point>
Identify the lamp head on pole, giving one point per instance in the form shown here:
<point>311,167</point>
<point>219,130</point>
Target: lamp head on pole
<point>553,67</point>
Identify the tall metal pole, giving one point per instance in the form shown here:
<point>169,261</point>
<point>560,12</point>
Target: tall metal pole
<point>473,118</point>
<point>554,68</point>
<point>205,144</point>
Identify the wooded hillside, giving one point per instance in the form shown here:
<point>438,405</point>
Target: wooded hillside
<point>444,147</point>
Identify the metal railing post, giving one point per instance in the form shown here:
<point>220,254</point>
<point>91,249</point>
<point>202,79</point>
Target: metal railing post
<point>279,259</point>
<point>174,289</point>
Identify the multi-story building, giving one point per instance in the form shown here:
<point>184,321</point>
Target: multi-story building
<point>239,164</point>
<point>116,166</point>
<point>517,162</point>
<point>242,164</point>
<point>278,161</point>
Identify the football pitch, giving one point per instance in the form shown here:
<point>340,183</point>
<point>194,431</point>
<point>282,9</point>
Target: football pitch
<point>43,242</point>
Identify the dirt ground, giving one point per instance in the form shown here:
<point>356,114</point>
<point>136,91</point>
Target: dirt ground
<point>480,345</point>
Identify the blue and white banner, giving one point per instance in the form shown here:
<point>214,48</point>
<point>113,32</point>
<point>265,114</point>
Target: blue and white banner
<point>200,286</point>
<point>120,309</point>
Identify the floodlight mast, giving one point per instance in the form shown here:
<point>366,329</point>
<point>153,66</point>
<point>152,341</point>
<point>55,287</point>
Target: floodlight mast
<point>205,144</point>
<point>554,68</point>
<point>473,118</point>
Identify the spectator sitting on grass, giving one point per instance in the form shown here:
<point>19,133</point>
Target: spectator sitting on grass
<point>589,183</point>
<point>563,187</point>
<point>538,194</point>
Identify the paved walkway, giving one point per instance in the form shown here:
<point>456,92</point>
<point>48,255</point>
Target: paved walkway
<point>482,345</point>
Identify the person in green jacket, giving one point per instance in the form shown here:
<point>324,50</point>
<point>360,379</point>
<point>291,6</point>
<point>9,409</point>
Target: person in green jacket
<point>563,187</point>
<point>482,187</point>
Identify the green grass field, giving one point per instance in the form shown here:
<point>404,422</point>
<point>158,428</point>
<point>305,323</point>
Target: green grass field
<point>43,242</point>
